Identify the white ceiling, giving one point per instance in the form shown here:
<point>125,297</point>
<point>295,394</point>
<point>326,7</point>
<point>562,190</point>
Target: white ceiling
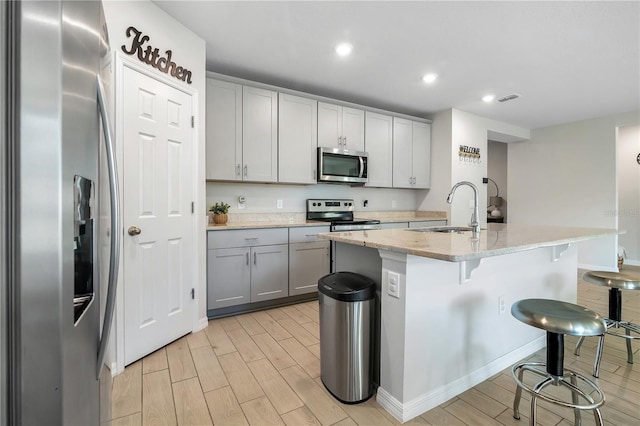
<point>569,61</point>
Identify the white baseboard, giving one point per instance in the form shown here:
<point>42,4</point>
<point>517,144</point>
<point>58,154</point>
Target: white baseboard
<point>632,262</point>
<point>597,267</point>
<point>406,411</point>
<point>202,324</point>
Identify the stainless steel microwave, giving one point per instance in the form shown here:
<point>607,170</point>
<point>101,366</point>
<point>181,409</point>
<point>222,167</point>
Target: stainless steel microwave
<point>342,166</point>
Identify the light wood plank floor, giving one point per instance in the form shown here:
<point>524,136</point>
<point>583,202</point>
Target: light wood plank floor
<point>263,368</point>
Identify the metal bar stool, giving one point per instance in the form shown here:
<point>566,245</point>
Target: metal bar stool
<point>616,281</point>
<point>557,319</point>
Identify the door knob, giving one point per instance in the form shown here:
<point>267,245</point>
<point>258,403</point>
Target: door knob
<point>134,230</point>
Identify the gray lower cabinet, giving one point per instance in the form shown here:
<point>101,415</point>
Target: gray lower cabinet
<point>309,259</point>
<point>426,223</point>
<point>308,262</point>
<point>269,272</point>
<point>393,225</point>
<point>228,277</point>
<point>246,266</point>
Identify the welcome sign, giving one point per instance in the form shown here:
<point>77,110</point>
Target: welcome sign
<point>151,56</point>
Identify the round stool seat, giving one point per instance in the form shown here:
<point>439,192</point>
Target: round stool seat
<point>621,280</point>
<point>559,317</point>
<point>616,282</point>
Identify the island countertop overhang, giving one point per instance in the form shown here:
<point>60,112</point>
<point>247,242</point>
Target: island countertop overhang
<point>496,240</point>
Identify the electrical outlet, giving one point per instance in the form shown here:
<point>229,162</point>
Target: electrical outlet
<point>502,305</point>
<point>393,284</point>
<point>240,206</point>
<point>279,204</point>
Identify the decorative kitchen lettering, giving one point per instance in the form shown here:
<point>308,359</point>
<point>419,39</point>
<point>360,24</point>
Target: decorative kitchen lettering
<point>469,154</point>
<point>151,56</point>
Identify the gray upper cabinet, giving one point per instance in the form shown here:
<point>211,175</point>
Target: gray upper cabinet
<point>340,127</point>
<point>378,143</point>
<point>255,134</point>
<point>297,139</point>
<point>224,130</point>
<point>259,134</point>
<point>411,154</point>
<point>242,132</point>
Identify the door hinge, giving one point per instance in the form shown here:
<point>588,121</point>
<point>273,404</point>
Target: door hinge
<point>193,293</point>
<point>193,207</point>
<point>193,122</point>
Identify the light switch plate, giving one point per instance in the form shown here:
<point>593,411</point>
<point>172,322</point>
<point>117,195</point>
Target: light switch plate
<point>279,204</point>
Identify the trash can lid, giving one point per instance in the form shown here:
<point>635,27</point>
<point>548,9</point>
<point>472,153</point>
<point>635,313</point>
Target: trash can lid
<point>347,286</point>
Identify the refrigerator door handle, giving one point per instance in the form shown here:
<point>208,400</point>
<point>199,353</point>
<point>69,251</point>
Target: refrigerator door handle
<point>115,228</point>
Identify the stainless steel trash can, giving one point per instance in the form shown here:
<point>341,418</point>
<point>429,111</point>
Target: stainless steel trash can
<point>347,307</point>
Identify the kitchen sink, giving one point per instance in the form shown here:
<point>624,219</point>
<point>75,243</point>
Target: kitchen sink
<point>443,229</point>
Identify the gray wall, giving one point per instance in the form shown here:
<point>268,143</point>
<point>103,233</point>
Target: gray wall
<point>628,211</point>
<point>262,198</point>
<point>566,176</point>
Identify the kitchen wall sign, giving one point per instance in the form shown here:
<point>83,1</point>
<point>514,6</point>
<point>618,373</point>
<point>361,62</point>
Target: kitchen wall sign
<point>152,56</point>
<point>469,154</point>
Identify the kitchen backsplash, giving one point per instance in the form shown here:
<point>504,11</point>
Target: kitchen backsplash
<point>264,197</point>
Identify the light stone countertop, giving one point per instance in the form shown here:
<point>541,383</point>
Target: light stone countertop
<point>292,220</point>
<point>496,240</point>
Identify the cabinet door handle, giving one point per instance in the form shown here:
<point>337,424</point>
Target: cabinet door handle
<point>245,170</point>
<point>238,170</point>
<point>247,254</point>
<point>345,141</point>
<point>339,140</point>
<point>255,258</point>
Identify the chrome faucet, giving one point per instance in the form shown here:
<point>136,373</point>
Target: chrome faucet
<point>475,217</point>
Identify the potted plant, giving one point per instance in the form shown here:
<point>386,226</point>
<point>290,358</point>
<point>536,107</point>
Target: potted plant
<point>220,211</point>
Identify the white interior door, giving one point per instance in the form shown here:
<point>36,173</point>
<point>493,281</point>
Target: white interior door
<point>158,192</point>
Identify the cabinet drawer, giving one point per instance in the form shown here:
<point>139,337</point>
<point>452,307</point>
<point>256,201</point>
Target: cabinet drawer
<point>247,237</point>
<point>427,223</point>
<point>393,225</point>
<point>306,234</point>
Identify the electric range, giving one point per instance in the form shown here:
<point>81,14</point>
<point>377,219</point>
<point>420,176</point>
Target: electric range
<point>339,213</point>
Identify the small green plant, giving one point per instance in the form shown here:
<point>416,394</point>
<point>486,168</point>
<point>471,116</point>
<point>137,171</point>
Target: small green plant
<point>219,208</point>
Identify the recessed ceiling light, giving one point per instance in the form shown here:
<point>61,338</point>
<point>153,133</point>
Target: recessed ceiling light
<point>488,98</point>
<point>430,78</point>
<point>343,49</point>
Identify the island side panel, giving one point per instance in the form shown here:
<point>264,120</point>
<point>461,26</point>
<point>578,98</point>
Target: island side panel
<point>441,337</point>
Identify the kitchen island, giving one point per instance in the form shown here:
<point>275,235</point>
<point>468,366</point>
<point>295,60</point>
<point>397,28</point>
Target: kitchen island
<point>445,301</point>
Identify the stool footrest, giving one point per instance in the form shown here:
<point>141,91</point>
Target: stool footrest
<point>529,366</point>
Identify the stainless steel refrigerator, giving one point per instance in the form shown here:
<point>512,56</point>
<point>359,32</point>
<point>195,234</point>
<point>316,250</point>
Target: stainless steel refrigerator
<point>59,237</point>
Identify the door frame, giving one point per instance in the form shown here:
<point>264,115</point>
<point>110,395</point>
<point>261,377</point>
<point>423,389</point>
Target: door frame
<point>121,62</point>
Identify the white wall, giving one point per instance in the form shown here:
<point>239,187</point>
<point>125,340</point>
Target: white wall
<point>453,128</point>
<point>628,211</point>
<point>436,197</point>
<point>261,198</point>
<point>566,176</point>
<point>497,163</point>
<point>189,51</point>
